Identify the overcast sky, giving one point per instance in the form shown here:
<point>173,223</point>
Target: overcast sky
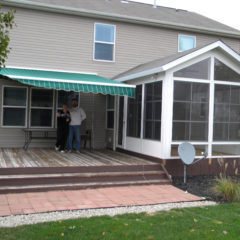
<point>226,12</point>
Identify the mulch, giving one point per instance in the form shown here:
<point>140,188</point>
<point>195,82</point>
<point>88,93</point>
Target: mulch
<point>200,186</point>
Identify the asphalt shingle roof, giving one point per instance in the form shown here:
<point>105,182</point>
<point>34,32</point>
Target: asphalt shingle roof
<point>170,16</point>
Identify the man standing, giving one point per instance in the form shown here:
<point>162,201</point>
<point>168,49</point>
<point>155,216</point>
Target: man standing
<point>77,116</point>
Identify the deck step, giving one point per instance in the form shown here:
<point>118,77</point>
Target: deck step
<point>76,186</point>
<point>48,179</point>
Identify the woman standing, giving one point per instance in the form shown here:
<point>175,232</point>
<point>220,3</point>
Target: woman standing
<point>63,119</point>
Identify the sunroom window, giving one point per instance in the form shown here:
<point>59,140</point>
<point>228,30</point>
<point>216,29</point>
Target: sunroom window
<point>200,70</point>
<point>104,42</point>
<point>224,73</point>
<point>14,106</point>
<point>41,107</point>
<point>153,110</point>
<point>190,111</point>
<point>134,114</point>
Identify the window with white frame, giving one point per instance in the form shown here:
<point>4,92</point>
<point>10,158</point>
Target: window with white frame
<point>135,114</point>
<point>41,109</point>
<point>190,111</point>
<point>14,106</point>
<point>186,42</point>
<point>152,110</point>
<point>110,111</point>
<point>104,42</point>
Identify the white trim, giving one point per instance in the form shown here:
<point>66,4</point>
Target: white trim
<point>21,107</point>
<point>194,80</point>
<point>48,108</point>
<point>184,35</point>
<point>102,42</point>
<point>181,60</point>
<point>68,81</point>
<point>50,70</point>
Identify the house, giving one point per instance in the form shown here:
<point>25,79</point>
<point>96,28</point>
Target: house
<point>185,68</point>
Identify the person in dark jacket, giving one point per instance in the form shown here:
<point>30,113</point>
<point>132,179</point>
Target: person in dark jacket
<point>63,119</point>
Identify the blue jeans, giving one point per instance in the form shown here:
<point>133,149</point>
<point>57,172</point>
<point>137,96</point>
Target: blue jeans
<point>74,132</point>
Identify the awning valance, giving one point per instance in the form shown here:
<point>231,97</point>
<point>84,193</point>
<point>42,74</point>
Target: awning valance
<point>69,81</point>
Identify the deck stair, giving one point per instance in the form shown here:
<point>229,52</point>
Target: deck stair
<point>39,179</point>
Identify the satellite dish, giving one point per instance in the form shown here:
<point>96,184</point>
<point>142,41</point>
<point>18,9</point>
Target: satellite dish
<point>187,153</point>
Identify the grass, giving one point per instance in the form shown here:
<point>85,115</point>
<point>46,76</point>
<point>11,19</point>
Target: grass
<point>218,222</point>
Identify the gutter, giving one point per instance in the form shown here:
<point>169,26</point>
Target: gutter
<point>116,17</point>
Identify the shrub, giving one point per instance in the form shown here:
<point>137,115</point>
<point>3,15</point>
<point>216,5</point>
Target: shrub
<point>228,189</point>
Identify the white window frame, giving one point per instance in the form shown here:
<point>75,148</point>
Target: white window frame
<point>110,110</point>
<point>114,43</point>
<point>143,113</point>
<point>184,35</point>
<point>30,108</point>
<point>6,106</point>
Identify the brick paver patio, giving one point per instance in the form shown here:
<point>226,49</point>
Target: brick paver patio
<point>28,203</point>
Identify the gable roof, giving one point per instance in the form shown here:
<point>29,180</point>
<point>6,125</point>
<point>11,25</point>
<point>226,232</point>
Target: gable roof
<point>166,63</point>
<point>131,12</point>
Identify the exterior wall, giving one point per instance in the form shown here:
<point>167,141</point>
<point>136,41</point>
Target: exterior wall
<point>64,42</point>
<point>93,105</point>
<point>59,41</point>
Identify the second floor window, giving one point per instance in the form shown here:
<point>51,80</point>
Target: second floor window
<point>104,42</point>
<point>186,42</point>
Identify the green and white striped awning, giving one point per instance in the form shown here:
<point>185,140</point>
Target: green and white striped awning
<point>69,81</point>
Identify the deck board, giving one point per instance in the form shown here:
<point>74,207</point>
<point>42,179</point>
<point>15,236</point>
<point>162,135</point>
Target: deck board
<point>36,157</point>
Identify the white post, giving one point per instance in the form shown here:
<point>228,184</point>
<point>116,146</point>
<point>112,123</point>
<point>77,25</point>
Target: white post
<point>211,108</point>
<point>167,115</point>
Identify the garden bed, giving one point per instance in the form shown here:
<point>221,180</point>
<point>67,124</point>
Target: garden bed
<point>200,186</point>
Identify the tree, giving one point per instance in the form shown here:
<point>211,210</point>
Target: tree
<point>6,24</point>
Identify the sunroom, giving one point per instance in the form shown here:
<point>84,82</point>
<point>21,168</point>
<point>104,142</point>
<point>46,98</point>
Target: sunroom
<point>193,96</point>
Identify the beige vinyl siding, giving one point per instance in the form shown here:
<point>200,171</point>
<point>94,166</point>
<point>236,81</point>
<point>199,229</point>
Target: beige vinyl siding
<point>94,106</point>
<point>65,42</point>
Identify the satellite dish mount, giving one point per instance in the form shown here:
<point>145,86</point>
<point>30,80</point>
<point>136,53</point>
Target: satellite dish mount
<point>187,154</point>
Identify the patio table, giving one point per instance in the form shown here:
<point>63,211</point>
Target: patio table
<point>42,134</point>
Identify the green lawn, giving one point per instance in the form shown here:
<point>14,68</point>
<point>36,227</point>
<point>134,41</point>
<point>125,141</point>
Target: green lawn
<point>218,222</point>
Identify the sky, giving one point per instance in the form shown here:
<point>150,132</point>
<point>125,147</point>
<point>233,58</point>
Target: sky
<point>226,12</point>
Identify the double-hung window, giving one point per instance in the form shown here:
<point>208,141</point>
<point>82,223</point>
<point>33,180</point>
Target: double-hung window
<point>14,106</point>
<point>186,42</point>
<point>41,114</point>
<point>104,42</point>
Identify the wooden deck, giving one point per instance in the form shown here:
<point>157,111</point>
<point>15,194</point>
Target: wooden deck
<point>16,157</point>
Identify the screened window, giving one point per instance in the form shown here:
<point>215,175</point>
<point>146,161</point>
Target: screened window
<point>190,111</point>
<point>41,107</point>
<point>186,42</point>
<point>110,112</point>
<point>104,42</point>
<point>134,114</point>
<point>226,113</point>
<point>153,110</point>
<point>200,70</point>
<point>224,73</point>
<point>14,106</point>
